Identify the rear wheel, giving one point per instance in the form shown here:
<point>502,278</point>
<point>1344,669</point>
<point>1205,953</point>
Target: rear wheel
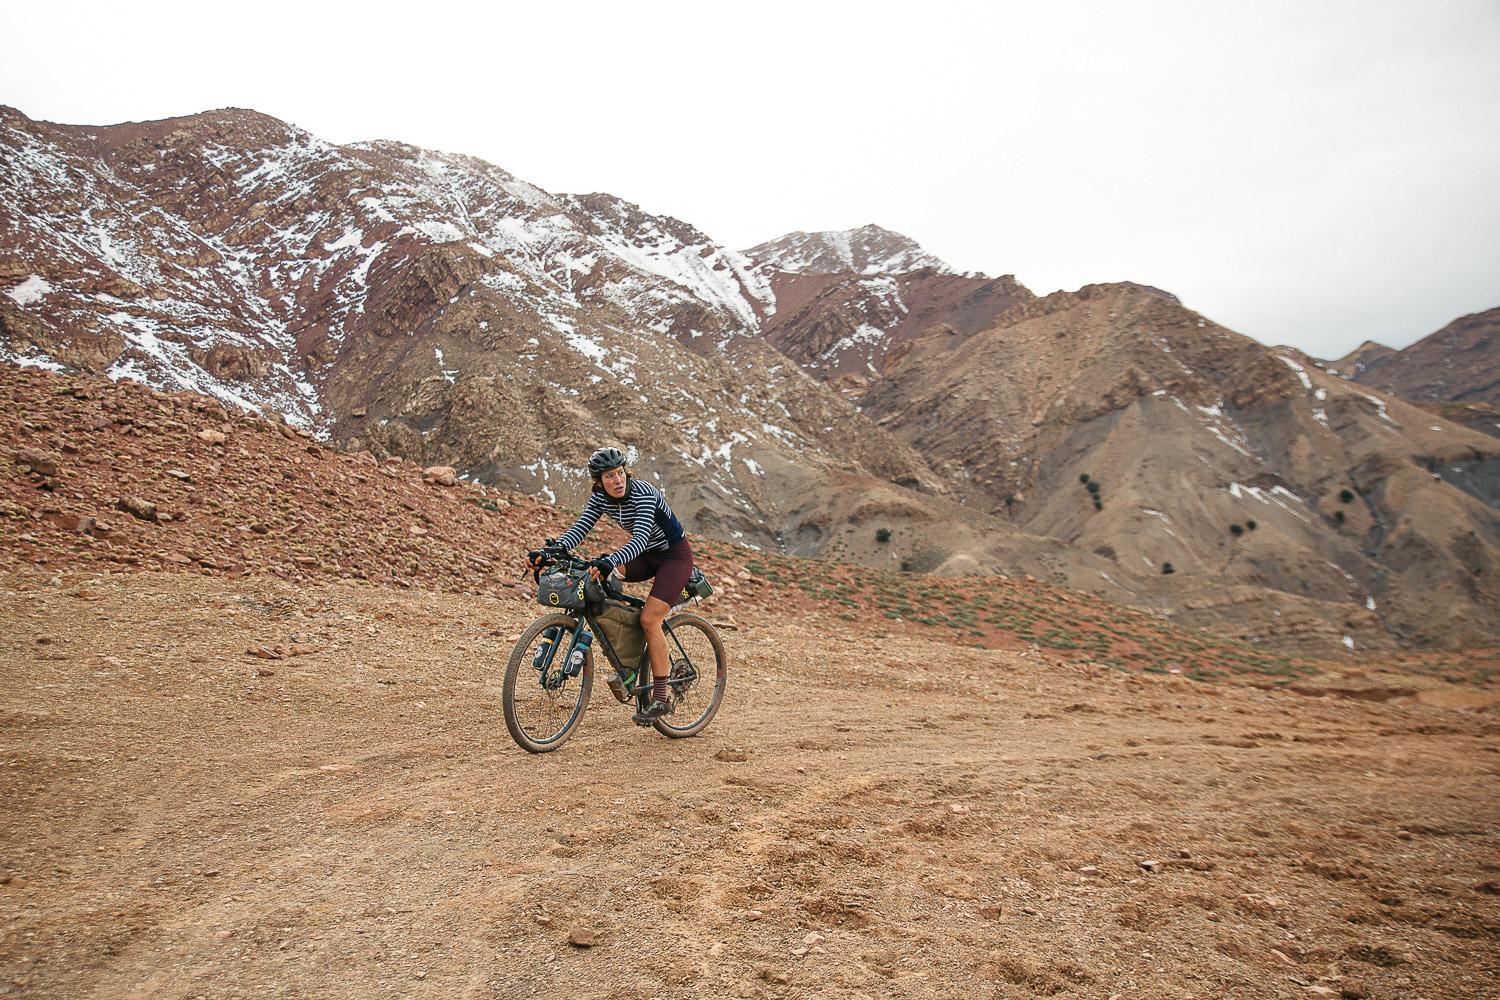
<point>543,706</point>
<point>698,675</point>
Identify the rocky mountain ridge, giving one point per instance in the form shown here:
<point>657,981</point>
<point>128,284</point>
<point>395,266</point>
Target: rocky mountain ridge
<point>1458,364</point>
<point>432,306</point>
<point>1233,483</point>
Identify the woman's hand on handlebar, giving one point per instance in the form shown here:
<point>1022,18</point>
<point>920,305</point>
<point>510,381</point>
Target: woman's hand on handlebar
<point>600,569</point>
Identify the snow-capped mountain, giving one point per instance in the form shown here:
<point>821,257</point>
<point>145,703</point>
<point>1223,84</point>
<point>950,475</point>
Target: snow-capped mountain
<point>866,250</point>
<point>846,300</point>
<point>231,243</point>
<point>414,302</point>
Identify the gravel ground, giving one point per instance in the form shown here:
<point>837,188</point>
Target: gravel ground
<point>866,817</point>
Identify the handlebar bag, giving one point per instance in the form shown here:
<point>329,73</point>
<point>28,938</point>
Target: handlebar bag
<point>621,625</point>
<point>564,591</point>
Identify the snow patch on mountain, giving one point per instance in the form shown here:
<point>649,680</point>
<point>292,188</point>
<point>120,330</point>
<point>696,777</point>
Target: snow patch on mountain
<point>32,290</point>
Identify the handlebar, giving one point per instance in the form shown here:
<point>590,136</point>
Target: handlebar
<point>553,554</point>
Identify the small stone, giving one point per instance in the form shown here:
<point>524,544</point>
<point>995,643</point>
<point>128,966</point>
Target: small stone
<point>958,809</point>
<point>441,475</point>
<point>76,523</point>
<point>732,755</point>
<point>542,919</point>
<point>212,436</point>
<point>799,951</point>
<point>583,937</point>
<point>753,915</point>
<point>221,935</point>
<point>1320,991</point>
<point>812,938</point>
<point>1088,870</point>
<point>1152,866</point>
<point>1403,835</point>
<point>264,672</point>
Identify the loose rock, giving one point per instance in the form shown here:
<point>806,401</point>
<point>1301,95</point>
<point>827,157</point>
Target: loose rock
<point>136,507</point>
<point>441,475</point>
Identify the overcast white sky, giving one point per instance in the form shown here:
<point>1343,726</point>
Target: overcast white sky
<point>1313,173</point>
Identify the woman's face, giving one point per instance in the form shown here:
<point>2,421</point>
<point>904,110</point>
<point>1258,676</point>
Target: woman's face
<point>614,482</point>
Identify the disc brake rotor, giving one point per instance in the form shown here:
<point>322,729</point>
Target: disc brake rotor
<point>682,676</point>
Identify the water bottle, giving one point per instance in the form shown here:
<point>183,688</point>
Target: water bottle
<point>580,651</point>
<point>544,648</point>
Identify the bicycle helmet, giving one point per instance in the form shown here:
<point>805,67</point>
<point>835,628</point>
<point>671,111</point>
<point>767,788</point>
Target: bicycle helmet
<point>605,459</point>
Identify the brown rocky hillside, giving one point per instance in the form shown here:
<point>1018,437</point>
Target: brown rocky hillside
<point>1281,494</point>
<point>117,477</point>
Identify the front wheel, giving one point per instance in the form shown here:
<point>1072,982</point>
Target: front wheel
<point>544,705</point>
<point>699,675</point>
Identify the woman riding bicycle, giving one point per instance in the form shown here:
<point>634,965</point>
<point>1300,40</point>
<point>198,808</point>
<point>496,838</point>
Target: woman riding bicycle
<point>658,548</point>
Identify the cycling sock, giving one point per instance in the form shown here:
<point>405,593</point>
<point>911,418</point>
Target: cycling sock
<point>659,689</point>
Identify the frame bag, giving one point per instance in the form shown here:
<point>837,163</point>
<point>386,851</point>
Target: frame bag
<point>621,625</point>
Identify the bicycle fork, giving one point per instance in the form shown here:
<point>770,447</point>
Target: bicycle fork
<point>573,657</point>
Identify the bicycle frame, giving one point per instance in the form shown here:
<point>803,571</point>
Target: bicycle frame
<point>592,622</point>
<point>587,617</point>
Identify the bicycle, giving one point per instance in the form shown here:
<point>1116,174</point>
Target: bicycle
<point>550,675</point>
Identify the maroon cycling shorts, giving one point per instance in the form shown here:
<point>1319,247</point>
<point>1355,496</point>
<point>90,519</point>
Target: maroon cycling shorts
<point>670,566</point>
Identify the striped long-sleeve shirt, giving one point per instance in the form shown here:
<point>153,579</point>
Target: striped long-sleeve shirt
<point>642,511</point>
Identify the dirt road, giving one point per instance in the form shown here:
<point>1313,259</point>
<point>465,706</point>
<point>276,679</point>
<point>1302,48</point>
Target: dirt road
<point>865,818</point>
